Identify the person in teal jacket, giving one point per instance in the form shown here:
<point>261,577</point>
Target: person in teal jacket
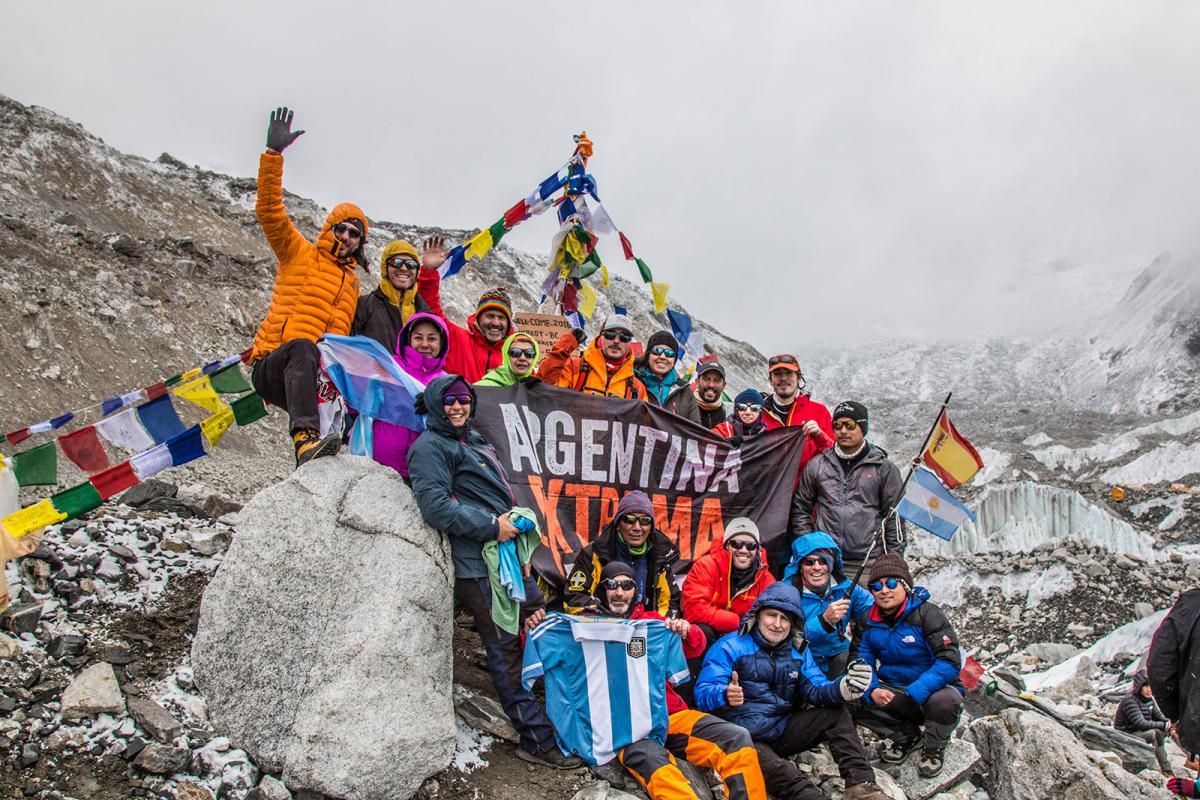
<point>831,604</point>
<point>656,367</point>
<point>521,355</point>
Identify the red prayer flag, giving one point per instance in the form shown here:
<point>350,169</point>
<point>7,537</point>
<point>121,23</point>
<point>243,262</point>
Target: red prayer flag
<point>16,437</point>
<point>245,355</point>
<point>156,391</point>
<point>626,246</point>
<point>83,447</point>
<point>114,480</point>
<point>515,214</point>
<point>971,672</point>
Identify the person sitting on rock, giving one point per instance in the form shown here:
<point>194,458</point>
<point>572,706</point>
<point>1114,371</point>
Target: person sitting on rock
<point>915,651</point>
<point>656,367</point>
<point>462,491</point>
<point>384,310</point>
<point>723,583</point>
<point>606,366</point>
<point>763,678</point>
<point>315,293</point>
<point>1139,715</point>
<point>521,354</point>
<point>702,739</point>
<point>631,537</point>
<point>747,419</point>
<point>829,600</point>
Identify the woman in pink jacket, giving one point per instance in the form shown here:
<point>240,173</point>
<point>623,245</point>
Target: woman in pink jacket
<point>421,352</point>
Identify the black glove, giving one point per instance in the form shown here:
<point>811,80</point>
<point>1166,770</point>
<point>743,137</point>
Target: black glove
<point>279,130</point>
<point>579,335</point>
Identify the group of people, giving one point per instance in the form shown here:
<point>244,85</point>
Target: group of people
<point>786,648</point>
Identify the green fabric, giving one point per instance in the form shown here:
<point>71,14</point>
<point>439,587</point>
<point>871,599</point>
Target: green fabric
<point>505,375</point>
<point>172,380</point>
<point>590,265</point>
<point>37,466</point>
<point>77,500</point>
<point>229,380</point>
<point>506,612</point>
<point>248,408</point>
<point>497,231</point>
<point>642,268</point>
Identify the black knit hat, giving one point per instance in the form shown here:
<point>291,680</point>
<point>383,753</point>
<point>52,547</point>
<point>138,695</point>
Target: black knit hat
<point>664,339</point>
<point>891,565</point>
<point>852,410</point>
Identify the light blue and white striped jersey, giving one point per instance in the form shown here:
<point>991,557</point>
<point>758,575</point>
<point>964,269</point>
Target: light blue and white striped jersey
<point>606,680</point>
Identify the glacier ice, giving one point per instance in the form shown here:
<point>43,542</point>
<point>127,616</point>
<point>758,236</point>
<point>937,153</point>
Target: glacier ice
<point>1133,638</point>
<point>1167,462</point>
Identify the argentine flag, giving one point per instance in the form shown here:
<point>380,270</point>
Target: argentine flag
<point>929,505</point>
<point>371,383</point>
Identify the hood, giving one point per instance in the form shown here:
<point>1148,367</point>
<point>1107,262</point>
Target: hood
<point>435,415</point>
<point>397,247</point>
<point>418,365</point>
<point>780,595</point>
<point>817,540</point>
<point>523,337</point>
<point>329,245</point>
<point>476,333</point>
<point>1140,679</point>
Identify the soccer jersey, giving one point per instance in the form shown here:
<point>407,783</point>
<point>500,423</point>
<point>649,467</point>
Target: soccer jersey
<point>606,680</point>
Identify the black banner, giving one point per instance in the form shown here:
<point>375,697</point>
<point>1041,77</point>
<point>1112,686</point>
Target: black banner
<point>571,456</point>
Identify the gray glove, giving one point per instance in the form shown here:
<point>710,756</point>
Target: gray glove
<point>856,680</point>
<point>279,130</point>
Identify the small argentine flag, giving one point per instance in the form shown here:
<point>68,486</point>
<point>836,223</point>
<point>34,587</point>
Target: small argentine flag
<point>929,505</point>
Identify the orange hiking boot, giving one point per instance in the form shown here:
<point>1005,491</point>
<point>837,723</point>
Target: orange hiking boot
<point>310,445</point>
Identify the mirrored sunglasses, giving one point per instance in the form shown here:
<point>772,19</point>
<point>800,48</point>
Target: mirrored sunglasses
<point>400,262</point>
<point>456,399</point>
<point>622,335</point>
<point>519,352</point>
<point>754,407</point>
<point>645,520</point>
<point>891,583</point>
<point>625,584</point>
<point>844,424</point>
<point>659,350</point>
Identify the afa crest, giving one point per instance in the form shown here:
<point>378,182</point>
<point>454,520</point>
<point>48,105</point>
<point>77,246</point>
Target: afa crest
<point>636,647</point>
<point>578,581</point>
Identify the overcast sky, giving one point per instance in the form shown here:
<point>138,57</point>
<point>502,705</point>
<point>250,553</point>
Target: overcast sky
<point>797,171</point>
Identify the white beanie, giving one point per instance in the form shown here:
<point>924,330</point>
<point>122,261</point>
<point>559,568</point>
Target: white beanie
<point>739,525</point>
<point>617,322</point>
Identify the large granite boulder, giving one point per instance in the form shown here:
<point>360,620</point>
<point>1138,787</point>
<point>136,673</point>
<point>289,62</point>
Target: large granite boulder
<point>323,648</point>
<point>1029,755</point>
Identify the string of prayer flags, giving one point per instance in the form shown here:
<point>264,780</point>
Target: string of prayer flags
<point>200,391</point>
<point>37,466</point>
<point>124,430</point>
<point>84,449</point>
<point>159,419</point>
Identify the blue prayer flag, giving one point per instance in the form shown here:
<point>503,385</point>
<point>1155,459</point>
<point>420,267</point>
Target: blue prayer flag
<point>187,446</point>
<point>159,419</point>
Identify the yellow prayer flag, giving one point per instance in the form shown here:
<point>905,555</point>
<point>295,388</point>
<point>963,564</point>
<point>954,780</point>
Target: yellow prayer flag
<point>603,275</point>
<point>191,373</point>
<point>574,249</point>
<point>659,290</point>
<point>202,393</point>
<point>479,246</point>
<point>587,300</point>
<point>32,518</point>
<point>215,426</point>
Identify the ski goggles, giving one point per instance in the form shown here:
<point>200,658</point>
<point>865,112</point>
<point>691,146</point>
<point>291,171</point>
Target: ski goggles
<point>783,361</point>
<point>400,262</point>
<point>346,229</point>
<point>645,520</point>
<point>751,407</point>
<point>624,336</point>
<point>521,352</point>
<point>456,399</point>
<point>891,583</point>
<point>665,352</point>
<point>844,424</point>
<point>624,584</point>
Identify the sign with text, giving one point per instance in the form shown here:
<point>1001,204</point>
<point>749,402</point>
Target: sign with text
<point>571,456</point>
<point>546,329</point>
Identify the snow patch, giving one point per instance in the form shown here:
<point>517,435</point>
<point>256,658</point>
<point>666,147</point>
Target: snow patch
<point>1073,460</point>
<point>1133,638</point>
<point>948,584</point>
<point>1036,440</point>
<point>995,462</point>
<point>1173,502</point>
<point>469,747</point>
<point>1167,462</point>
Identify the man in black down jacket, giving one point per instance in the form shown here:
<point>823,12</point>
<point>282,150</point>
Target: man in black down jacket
<point>382,312</point>
<point>1137,714</point>
<point>1174,665</point>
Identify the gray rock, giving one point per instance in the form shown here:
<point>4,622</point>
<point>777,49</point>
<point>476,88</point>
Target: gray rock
<point>94,691</point>
<point>601,790</point>
<point>189,790</point>
<point>1051,653</point>
<point>30,753</point>
<point>483,714</point>
<point>8,647</point>
<point>209,541</point>
<point>1142,610</point>
<point>959,761</point>
<point>271,789</point>
<point>323,647</point>
<point>142,493</point>
<point>154,719</point>
<point>162,759</point>
<point>1030,755</point>
<point>110,570</point>
<point>21,617</point>
<point>127,246</point>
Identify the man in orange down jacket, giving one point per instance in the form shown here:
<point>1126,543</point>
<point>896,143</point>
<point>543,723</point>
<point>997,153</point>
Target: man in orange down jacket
<point>606,366</point>
<point>315,293</point>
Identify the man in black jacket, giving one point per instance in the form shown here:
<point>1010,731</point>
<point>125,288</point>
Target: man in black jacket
<point>382,312</point>
<point>1173,666</point>
<point>1138,714</point>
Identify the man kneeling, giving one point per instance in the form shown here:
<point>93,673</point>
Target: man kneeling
<point>758,678</point>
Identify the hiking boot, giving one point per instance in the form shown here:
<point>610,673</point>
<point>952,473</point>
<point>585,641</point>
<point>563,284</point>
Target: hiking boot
<point>550,758</point>
<point>895,751</point>
<point>1192,763</point>
<point>865,791</point>
<point>310,445</point>
<point>931,761</point>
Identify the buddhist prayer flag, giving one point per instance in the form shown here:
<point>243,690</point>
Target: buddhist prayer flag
<point>159,419</point>
<point>37,466</point>
<point>587,300</point>
<point>77,500</point>
<point>496,231</point>
<point>187,446</point>
<point>229,380</point>
<point>84,449</point>
<point>515,214</point>
<point>626,246</point>
<point>124,430</point>
<point>151,462</point>
<point>479,246</point>
<point>215,426</point>
<point>116,403</point>
<point>950,455</point>
<point>930,506</point>
<point>200,391</point>
<point>659,290</point>
<point>114,480</point>
<point>644,271</point>
<point>155,391</point>
<point>32,518</point>
<point>58,422</point>
<point>16,437</point>
<point>248,408</point>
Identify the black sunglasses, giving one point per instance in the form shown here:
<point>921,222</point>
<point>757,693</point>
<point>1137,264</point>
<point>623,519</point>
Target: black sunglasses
<point>400,262</point>
<point>517,352</point>
<point>620,583</point>
<point>346,229</point>
<point>622,335</point>
<point>740,544</point>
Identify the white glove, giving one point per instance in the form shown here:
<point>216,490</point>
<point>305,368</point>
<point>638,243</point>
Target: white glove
<point>856,680</point>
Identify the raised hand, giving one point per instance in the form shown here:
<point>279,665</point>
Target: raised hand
<point>279,130</point>
<point>433,252</point>
<point>734,696</point>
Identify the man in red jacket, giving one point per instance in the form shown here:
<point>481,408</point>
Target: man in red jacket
<point>479,346</point>
<point>723,583</point>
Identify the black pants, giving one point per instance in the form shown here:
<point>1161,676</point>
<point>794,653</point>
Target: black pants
<point>287,377</point>
<point>504,663</point>
<point>901,719</point>
<point>806,729</point>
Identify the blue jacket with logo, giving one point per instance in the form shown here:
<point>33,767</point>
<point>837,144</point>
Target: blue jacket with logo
<point>916,651</point>
<point>825,640</point>
<point>775,679</point>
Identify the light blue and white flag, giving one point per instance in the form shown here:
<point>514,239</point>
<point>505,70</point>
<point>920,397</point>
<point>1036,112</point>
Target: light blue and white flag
<point>930,506</point>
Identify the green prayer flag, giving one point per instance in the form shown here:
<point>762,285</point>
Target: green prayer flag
<point>77,500</point>
<point>229,380</point>
<point>248,408</point>
<point>172,380</point>
<point>590,265</point>
<point>37,466</point>
<point>497,231</point>
<point>642,268</point>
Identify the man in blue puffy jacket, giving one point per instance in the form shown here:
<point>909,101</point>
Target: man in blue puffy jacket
<point>829,601</point>
<point>763,678</point>
<point>914,650</point>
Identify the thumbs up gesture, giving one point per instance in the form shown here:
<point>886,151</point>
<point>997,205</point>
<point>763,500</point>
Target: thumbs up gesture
<point>733,693</point>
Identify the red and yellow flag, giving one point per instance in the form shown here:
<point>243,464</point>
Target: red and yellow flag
<point>951,456</point>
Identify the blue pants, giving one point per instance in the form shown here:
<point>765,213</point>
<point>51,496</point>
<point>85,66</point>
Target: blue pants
<point>504,663</point>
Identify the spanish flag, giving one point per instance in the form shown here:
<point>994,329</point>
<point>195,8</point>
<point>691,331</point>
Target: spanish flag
<point>948,454</point>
